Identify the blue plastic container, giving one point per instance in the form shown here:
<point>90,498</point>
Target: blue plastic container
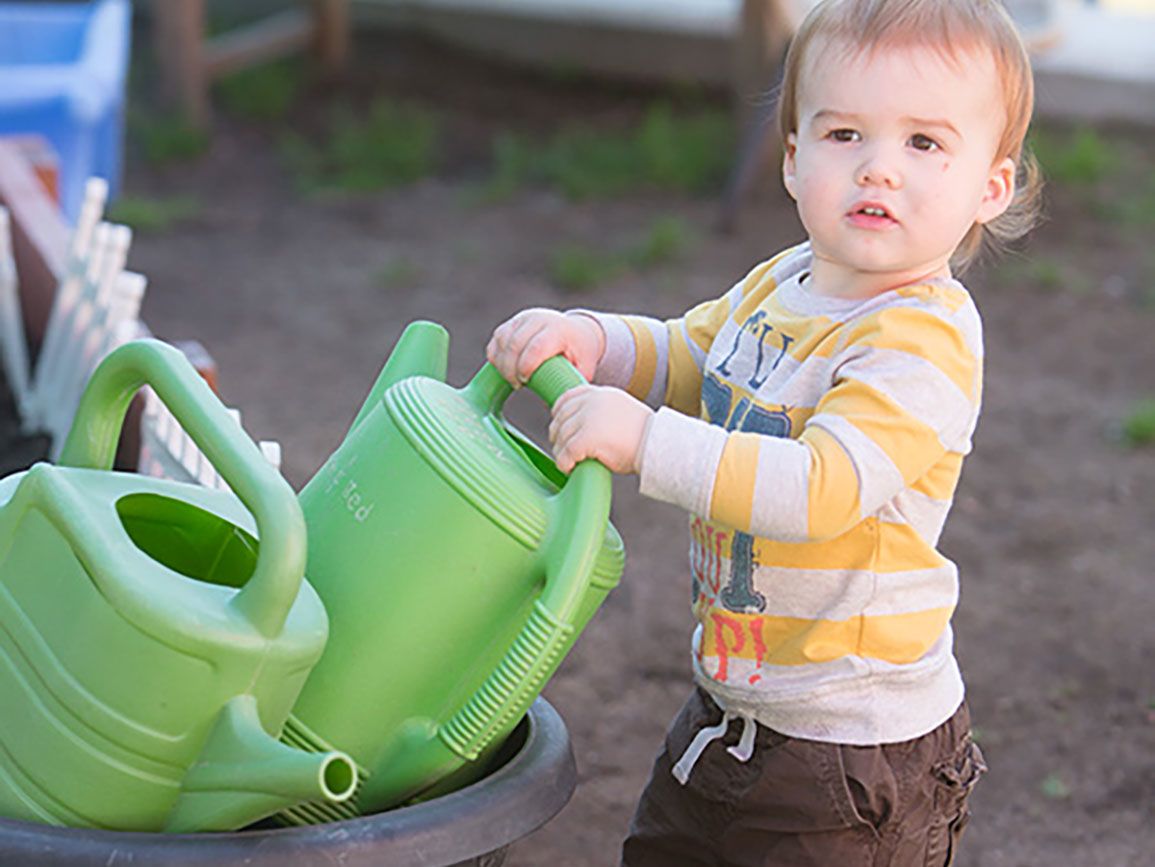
<point>62,75</point>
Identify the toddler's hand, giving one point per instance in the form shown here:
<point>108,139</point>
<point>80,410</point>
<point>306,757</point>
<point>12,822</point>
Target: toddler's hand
<point>520,344</point>
<point>594,421</point>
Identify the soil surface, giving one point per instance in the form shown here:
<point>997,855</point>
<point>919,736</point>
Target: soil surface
<point>299,299</point>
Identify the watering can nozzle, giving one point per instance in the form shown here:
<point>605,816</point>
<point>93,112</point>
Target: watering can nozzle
<point>422,350</point>
<point>244,774</point>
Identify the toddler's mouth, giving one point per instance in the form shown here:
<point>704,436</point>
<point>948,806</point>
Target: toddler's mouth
<point>871,215</point>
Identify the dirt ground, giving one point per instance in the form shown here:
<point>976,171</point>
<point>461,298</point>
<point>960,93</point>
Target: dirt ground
<point>299,299</point>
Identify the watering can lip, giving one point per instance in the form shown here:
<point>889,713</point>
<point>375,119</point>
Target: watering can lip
<point>9,484</point>
<point>200,609</point>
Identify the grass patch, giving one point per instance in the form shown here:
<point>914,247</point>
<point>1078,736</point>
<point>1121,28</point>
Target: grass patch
<point>167,138</point>
<point>1133,206</point>
<point>153,215</point>
<point>666,240</point>
<point>262,93</point>
<point>397,274</point>
<point>680,152</point>
<point>1046,272</point>
<point>389,145</point>
<point>1111,176</point>
<point>1139,423</point>
<point>1080,156</point>
<point>576,268</point>
<point>1055,788</point>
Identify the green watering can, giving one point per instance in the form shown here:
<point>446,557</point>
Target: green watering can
<point>457,564</point>
<point>150,647</point>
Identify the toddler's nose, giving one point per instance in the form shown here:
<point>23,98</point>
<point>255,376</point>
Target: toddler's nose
<point>878,171</point>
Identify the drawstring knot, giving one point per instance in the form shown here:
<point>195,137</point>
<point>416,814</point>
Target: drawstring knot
<point>742,751</point>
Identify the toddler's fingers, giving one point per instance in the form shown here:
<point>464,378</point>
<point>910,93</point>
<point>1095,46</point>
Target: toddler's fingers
<point>564,462</point>
<point>506,344</point>
<point>563,429</point>
<point>570,402</point>
<point>543,344</point>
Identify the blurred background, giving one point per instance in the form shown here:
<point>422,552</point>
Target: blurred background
<point>301,180</point>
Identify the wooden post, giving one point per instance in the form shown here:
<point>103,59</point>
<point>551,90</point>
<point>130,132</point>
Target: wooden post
<point>179,46</point>
<point>331,34</point>
<point>189,62</point>
<point>764,32</point>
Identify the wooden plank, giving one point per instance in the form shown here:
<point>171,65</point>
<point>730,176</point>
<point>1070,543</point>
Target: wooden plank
<point>262,40</point>
<point>39,240</point>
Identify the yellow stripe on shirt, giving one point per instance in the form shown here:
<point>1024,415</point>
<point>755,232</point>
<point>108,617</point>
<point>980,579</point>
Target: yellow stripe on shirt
<point>733,499</point>
<point>920,333</point>
<point>895,638</point>
<point>833,504</point>
<point>645,358</point>
<point>683,379</point>
<point>940,481</point>
<point>912,446</point>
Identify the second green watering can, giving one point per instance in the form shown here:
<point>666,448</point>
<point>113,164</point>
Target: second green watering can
<point>153,634</point>
<point>457,564</point>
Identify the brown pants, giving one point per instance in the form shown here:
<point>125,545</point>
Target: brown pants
<point>800,803</point>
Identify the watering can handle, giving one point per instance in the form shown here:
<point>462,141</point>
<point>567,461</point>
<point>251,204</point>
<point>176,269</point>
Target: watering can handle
<point>266,598</point>
<point>582,509</point>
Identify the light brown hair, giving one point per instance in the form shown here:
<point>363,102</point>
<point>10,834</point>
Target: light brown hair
<point>952,27</point>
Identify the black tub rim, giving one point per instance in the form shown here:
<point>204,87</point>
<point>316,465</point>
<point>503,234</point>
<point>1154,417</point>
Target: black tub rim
<point>506,805</point>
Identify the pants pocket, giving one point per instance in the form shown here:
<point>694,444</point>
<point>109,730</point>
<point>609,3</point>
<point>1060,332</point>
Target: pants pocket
<point>955,779</point>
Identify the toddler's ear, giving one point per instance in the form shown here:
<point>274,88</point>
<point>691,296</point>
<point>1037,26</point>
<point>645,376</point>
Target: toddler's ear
<point>999,192</point>
<point>789,167</point>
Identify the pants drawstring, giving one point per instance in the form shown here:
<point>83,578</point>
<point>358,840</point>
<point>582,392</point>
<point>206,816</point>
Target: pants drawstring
<point>742,752</point>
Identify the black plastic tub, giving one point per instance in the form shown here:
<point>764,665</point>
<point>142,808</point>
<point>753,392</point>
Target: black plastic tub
<point>472,826</point>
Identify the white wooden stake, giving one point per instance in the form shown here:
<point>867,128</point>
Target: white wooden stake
<point>78,360</point>
<point>67,293</point>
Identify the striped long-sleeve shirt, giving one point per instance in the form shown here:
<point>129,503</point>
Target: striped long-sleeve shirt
<point>816,443</point>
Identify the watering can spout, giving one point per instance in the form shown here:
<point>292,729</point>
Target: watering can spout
<point>422,350</point>
<point>244,774</point>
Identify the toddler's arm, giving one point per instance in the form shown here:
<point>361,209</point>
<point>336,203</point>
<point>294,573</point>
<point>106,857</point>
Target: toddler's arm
<point>897,420</point>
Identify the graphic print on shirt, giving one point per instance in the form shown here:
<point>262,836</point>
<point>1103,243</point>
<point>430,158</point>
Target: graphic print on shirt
<point>746,416</point>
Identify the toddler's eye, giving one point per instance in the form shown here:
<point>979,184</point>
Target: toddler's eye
<point>920,142</point>
<point>843,135</point>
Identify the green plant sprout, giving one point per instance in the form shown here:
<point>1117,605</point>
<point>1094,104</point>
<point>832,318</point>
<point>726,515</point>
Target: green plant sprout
<point>576,268</point>
<point>262,93</point>
<point>166,138</point>
<point>389,145</point>
<point>1079,156</point>
<point>666,151</point>
<point>1054,788</point>
<point>1139,423</point>
<point>397,274</point>
<point>153,214</point>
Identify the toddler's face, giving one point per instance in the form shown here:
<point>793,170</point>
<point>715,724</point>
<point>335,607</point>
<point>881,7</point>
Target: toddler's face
<point>894,159</point>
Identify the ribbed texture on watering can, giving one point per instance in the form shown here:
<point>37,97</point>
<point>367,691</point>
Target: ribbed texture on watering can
<point>610,562</point>
<point>493,708</point>
<point>297,734</point>
<point>469,457</point>
<point>512,500</point>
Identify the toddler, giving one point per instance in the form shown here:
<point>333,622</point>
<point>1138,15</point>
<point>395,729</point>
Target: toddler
<point>813,422</point>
